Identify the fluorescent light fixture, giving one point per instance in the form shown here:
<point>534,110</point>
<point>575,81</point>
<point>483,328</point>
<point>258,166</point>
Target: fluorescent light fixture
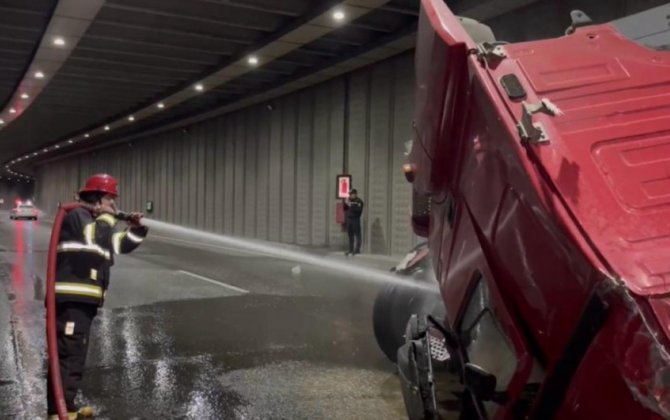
<point>24,96</point>
<point>253,60</point>
<point>131,118</point>
<point>59,41</point>
<point>338,15</point>
<point>39,75</point>
<point>199,87</point>
<point>160,105</point>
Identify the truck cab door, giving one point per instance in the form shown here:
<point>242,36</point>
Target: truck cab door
<point>494,356</point>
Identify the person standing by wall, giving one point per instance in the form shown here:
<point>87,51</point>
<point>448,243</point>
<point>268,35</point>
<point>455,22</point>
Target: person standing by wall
<point>354,208</point>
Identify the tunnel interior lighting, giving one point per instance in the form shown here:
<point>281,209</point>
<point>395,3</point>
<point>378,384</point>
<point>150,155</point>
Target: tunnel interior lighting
<point>39,75</point>
<point>12,111</point>
<point>86,135</point>
<point>253,60</point>
<point>160,105</point>
<point>59,41</point>
<point>24,96</point>
<point>106,128</point>
<point>338,15</point>
<point>131,118</point>
<point>57,146</point>
<point>199,87</point>
<point>2,121</point>
<point>70,141</point>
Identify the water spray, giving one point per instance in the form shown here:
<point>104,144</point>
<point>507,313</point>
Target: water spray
<point>368,274</point>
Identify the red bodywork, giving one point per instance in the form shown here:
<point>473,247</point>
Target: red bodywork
<point>549,226</point>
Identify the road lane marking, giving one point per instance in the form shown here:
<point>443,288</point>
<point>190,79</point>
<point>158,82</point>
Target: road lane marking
<point>219,283</point>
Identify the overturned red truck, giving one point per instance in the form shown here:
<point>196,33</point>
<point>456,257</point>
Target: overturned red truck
<point>541,178</point>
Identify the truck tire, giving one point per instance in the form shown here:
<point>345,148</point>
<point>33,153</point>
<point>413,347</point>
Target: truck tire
<point>393,307</point>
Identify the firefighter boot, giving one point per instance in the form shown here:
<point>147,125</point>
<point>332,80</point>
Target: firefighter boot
<point>85,412</point>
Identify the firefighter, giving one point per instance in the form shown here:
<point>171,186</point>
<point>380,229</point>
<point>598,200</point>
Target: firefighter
<point>354,207</point>
<point>87,244</point>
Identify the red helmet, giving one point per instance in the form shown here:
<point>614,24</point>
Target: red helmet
<point>101,183</point>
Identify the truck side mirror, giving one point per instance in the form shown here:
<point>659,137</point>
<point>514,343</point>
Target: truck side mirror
<point>480,382</point>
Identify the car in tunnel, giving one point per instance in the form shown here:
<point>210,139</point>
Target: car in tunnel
<point>25,211</point>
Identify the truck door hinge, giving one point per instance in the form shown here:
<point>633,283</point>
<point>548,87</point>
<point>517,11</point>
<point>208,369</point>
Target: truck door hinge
<point>491,53</point>
<point>533,132</point>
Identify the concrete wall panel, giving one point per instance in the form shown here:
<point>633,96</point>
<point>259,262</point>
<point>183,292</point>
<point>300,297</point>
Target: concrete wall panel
<point>303,167</point>
<point>275,180</point>
<point>336,161</point>
<point>262,173</point>
<point>377,228</point>
<point>320,161</point>
<point>289,117</point>
<point>229,185</point>
<point>250,179</point>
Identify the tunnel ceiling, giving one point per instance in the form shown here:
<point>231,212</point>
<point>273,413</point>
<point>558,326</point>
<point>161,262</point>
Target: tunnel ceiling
<point>22,24</point>
<point>136,53</point>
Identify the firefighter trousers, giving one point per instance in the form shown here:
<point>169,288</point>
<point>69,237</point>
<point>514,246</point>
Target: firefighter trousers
<point>73,325</point>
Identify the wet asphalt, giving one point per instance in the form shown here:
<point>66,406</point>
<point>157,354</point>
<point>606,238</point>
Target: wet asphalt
<point>192,330</point>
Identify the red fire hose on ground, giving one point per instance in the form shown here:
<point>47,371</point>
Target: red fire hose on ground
<point>52,343</point>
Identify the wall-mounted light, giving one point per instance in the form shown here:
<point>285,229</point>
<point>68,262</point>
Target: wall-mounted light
<point>199,87</point>
<point>160,105</point>
<point>252,60</point>
<point>131,118</point>
<point>39,75</point>
<point>24,96</point>
<point>59,41</point>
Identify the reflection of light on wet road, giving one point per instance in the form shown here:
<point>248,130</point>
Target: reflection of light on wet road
<point>200,406</point>
<point>108,352</point>
<point>132,360</point>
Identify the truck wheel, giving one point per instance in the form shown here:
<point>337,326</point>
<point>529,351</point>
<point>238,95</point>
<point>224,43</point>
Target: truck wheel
<point>393,307</point>
<point>389,337</point>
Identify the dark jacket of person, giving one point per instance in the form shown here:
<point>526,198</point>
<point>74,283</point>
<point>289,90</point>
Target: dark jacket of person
<point>354,208</point>
<point>86,249</point>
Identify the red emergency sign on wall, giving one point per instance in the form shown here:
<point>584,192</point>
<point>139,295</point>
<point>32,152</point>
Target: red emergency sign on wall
<point>343,186</point>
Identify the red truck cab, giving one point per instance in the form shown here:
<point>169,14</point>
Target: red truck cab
<point>542,170</point>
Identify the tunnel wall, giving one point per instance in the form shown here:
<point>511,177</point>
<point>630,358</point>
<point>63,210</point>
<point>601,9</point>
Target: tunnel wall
<point>271,173</point>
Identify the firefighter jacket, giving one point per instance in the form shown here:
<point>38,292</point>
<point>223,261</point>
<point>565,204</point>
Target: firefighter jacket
<point>86,249</point>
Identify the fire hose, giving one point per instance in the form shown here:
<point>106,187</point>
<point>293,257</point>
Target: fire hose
<point>52,344</point>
